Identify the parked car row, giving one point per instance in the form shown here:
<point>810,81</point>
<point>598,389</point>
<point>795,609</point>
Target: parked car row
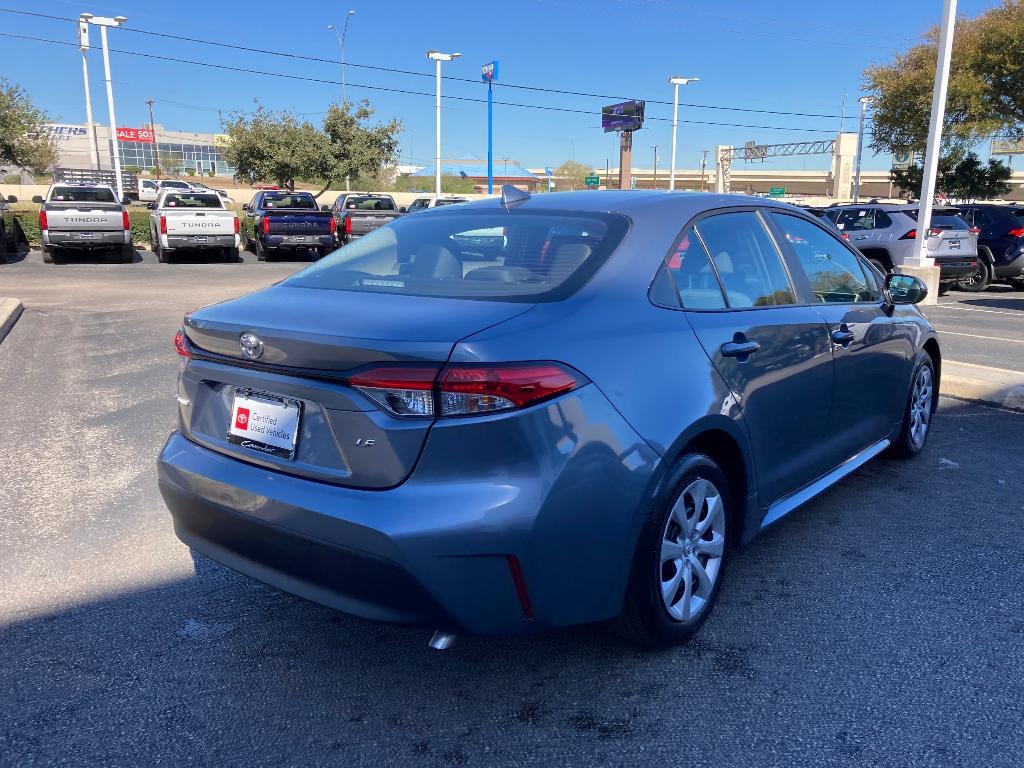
<point>149,189</point>
<point>83,216</point>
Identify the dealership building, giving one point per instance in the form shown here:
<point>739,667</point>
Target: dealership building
<point>178,151</point>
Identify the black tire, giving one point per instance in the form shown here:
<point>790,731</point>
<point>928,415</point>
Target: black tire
<point>127,253</point>
<point>645,618</point>
<point>159,251</point>
<point>944,288</point>
<point>261,251</point>
<point>230,255</point>
<point>243,237</point>
<point>907,445</point>
<point>980,280</point>
<point>47,255</point>
<point>1017,283</point>
<point>880,267</point>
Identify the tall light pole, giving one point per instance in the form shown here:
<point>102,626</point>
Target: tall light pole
<point>152,129</point>
<point>655,148</point>
<point>864,102</point>
<point>489,73</point>
<point>83,44</point>
<point>438,57</point>
<point>341,47</point>
<point>676,81</point>
<point>103,22</point>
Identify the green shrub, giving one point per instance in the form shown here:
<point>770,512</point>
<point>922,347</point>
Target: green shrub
<point>12,178</point>
<point>132,169</point>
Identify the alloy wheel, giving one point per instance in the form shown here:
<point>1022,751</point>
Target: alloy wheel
<point>692,545</point>
<point>921,406</point>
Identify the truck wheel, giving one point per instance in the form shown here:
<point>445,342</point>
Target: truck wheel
<point>880,266</point>
<point>261,251</point>
<point>47,255</point>
<point>231,255</point>
<point>321,252</point>
<point>979,281</point>
<point>243,238</point>
<point>127,253</point>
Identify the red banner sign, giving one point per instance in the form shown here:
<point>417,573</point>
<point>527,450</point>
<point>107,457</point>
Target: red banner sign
<point>143,135</point>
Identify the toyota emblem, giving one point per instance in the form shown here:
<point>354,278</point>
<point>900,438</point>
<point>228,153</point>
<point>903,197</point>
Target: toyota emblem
<point>251,345</point>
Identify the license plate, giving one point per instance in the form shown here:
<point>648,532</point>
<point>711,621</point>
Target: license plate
<point>954,244</point>
<point>265,423</point>
<point>200,238</point>
<point>299,238</point>
<point>86,235</point>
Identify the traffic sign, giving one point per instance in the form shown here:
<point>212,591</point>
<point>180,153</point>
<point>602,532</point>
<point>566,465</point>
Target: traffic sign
<point>592,180</point>
<point>776,192</point>
<point>549,171</point>
<point>902,159</point>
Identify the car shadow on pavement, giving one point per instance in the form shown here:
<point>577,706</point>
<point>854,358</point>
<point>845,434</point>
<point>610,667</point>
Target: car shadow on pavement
<point>846,633</point>
<point>1010,302</point>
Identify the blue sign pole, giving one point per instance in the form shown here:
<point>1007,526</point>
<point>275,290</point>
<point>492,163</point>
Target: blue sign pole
<point>489,73</point>
<point>490,138</point>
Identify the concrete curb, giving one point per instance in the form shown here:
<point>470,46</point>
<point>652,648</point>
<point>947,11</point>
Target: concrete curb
<point>995,386</point>
<point>10,311</point>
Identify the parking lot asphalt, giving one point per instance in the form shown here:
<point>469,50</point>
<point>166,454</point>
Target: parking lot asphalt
<point>982,328</point>
<point>881,624</point>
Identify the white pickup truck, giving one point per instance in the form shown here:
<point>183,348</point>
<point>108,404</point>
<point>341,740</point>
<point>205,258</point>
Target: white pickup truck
<point>77,216</point>
<point>181,220</point>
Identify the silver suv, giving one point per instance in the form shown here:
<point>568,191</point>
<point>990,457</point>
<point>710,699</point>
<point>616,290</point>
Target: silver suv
<point>887,234</point>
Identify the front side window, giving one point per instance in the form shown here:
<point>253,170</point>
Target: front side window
<point>833,271</point>
<point>530,256</point>
<point>747,261</point>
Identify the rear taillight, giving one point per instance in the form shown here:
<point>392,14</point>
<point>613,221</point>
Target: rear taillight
<point>909,235</point>
<point>844,236</point>
<point>934,232</point>
<point>334,225</point>
<point>236,225</point>
<point>125,221</point>
<point>462,389</point>
<point>348,225</point>
<point>42,221</point>
<point>1019,232</point>
<point>975,231</point>
<point>265,225</point>
<point>163,225</point>
<point>181,344</point>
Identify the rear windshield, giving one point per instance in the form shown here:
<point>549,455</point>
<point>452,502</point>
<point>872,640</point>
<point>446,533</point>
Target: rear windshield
<point>82,195</point>
<point>474,254</point>
<point>943,220</point>
<point>291,201</point>
<point>192,200</point>
<point>174,185</point>
<point>450,202</point>
<point>369,203</point>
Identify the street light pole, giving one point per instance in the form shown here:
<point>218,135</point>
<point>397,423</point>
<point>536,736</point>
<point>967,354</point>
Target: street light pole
<point>103,22</point>
<point>655,148</point>
<point>864,101</point>
<point>152,129</point>
<point>489,73</point>
<point>676,82</point>
<point>438,57</point>
<point>83,44</point>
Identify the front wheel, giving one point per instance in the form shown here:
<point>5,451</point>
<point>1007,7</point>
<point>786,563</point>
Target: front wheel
<point>917,415</point>
<point>979,281</point>
<point>680,557</point>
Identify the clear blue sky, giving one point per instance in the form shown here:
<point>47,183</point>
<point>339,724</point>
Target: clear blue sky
<point>791,56</point>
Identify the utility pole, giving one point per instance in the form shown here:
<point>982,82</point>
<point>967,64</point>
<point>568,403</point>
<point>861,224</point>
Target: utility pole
<point>152,129</point>
<point>864,101</point>
<point>655,148</point>
<point>83,44</point>
<point>922,265</point>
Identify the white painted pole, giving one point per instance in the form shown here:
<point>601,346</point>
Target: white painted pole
<point>934,147</point>
<point>94,152</point>
<point>675,127</point>
<point>113,120</point>
<point>437,149</point>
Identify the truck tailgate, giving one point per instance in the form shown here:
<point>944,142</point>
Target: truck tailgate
<point>312,223</point>
<point>364,222</point>
<point>209,222</point>
<point>96,217</point>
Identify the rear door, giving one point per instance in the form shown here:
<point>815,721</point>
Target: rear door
<point>772,353</point>
<point>871,349</point>
<point>858,224</point>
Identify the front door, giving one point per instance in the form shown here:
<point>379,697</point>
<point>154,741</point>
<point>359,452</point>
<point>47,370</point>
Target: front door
<point>872,351</point>
<point>772,353</point>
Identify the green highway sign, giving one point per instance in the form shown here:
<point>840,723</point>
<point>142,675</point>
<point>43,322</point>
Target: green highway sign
<point>776,192</point>
<point>592,181</point>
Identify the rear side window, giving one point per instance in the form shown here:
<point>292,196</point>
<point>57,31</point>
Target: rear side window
<point>747,261</point>
<point>473,254</point>
<point>856,219</point>
<point>982,219</point>
<point>192,200</point>
<point>82,195</point>
<point>692,277</point>
<point>833,271</point>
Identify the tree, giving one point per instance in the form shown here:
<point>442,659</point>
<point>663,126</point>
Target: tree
<point>986,85</point>
<point>23,142</point>
<point>278,146</point>
<point>572,174</point>
<point>965,179</point>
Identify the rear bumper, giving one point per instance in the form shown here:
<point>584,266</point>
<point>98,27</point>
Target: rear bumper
<point>175,242</point>
<point>957,267</point>
<point>294,241</point>
<point>435,550</point>
<point>92,239</point>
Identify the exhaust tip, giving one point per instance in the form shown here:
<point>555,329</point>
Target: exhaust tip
<point>441,641</point>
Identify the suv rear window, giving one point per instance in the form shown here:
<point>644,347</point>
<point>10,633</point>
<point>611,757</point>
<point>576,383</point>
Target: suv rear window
<point>487,255</point>
<point>943,220</point>
<point>193,200</point>
<point>82,195</point>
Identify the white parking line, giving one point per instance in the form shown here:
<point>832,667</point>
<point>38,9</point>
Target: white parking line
<point>976,336</point>
<point>975,309</point>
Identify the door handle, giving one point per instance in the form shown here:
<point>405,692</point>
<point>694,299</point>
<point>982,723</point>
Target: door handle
<point>740,349</point>
<point>860,237</point>
<point>843,337</point>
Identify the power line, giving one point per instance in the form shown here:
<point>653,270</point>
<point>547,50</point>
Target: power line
<point>393,70</point>
<point>305,78</point>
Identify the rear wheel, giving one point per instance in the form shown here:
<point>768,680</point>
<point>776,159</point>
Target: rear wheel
<point>880,266</point>
<point>261,251</point>
<point>230,255</point>
<point>47,255</point>
<point>680,557</point>
<point>917,416</point>
<point>979,281</point>
<point>127,253</point>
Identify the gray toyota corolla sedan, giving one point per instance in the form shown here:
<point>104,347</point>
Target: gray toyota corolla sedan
<point>541,411</point>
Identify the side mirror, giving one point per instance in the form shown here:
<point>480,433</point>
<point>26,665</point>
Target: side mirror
<point>12,199</point>
<point>126,201</point>
<point>325,208</point>
<point>37,199</point>
<point>403,209</point>
<point>151,206</point>
<point>905,289</point>
<point>245,206</point>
